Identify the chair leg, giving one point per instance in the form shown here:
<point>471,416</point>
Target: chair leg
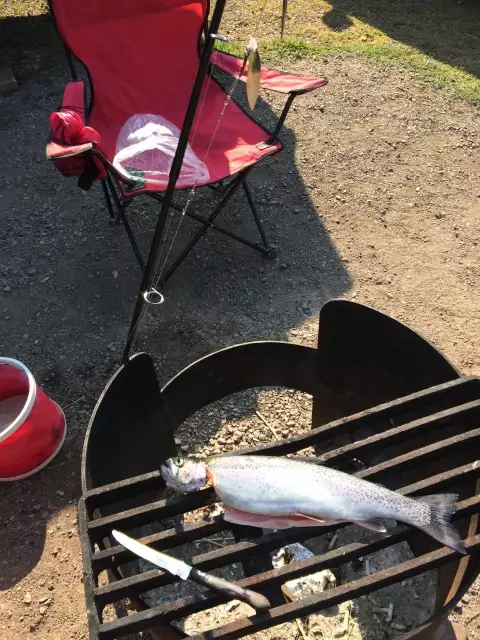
<point>201,232</point>
<point>121,216</point>
<point>108,199</point>
<point>271,251</point>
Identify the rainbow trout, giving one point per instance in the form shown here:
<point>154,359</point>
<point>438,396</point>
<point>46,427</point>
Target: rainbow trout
<point>278,493</point>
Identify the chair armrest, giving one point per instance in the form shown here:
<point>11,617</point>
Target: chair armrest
<point>67,125</point>
<point>59,145</point>
<point>55,150</point>
<point>71,143</point>
<point>279,81</point>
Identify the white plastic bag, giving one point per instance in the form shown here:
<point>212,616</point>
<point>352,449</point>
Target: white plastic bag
<point>145,149</point>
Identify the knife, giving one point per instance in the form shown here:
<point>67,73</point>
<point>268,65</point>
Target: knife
<point>185,572</point>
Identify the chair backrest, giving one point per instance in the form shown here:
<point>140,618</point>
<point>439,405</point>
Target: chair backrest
<point>139,54</point>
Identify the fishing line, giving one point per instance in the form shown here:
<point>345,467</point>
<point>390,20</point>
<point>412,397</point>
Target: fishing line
<point>251,45</point>
<point>192,192</point>
<point>189,197</point>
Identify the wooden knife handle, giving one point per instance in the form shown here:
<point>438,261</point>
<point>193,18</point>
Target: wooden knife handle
<point>255,600</point>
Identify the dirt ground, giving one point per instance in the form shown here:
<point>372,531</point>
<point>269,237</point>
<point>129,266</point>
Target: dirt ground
<point>376,197</point>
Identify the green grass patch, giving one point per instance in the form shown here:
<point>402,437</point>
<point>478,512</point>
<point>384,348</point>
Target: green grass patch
<point>276,51</point>
<point>439,40</point>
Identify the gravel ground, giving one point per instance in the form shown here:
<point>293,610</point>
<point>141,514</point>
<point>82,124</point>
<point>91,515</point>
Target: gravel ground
<point>376,197</point>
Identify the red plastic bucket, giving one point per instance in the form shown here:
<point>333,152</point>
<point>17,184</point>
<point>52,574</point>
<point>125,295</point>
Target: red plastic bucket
<point>32,426</point>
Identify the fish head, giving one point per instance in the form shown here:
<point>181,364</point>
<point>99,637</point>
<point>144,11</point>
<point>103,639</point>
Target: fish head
<point>184,475</point>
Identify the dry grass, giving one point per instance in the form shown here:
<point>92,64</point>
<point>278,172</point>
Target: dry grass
<point>22,8</point>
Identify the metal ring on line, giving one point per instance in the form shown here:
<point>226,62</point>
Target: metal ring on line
<point>153,297</point>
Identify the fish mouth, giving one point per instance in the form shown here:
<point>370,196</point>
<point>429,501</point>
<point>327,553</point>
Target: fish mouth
<point>195,479</point>
<point>166,471</point>
<point>170,479</point>
<point>171,484</point>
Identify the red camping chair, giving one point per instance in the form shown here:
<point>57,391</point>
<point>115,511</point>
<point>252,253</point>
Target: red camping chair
<point>156,57</point>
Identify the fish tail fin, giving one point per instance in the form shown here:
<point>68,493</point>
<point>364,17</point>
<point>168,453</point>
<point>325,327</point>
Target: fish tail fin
<point>442,507</point>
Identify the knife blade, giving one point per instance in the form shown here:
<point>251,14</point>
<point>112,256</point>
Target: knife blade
<point>185,572</point>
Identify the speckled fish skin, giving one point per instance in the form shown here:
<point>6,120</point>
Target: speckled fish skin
<point>287,492</point>
<point>282,486</point>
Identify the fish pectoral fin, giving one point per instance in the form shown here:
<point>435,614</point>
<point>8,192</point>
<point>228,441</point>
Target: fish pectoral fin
<point>373,525</point>
<point>305,515</point>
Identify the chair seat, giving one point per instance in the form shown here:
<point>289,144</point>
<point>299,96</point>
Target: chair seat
<point>143,58</point>
<point>226,150</point>
<point>146,62</point>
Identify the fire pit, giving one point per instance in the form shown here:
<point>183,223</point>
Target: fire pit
<point>420,426</point>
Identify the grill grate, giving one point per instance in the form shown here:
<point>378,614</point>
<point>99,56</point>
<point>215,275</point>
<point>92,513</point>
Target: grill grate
<point>431,439</point>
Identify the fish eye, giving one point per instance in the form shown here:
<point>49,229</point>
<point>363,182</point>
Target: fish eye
<point>178,462</point>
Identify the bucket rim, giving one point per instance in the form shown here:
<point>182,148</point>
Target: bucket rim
<point>27,407</point>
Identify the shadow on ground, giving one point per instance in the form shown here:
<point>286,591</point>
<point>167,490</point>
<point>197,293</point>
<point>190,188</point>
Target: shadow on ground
<point>68,278</point>
<point>446,30</point>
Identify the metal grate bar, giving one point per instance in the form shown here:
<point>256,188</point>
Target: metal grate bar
<point>196,530</point>
<point>290,611</point>
<point>155,511</point>
<point>174,506</point>
<point>456,416</point>
<point>213,560</point>
<point>331,559</point>
<point>441,397</point>
<point>442,480</point>
<point>124,489</point>
<point>420,456</point>
<point>332,597</point>
<point>461,391</point>
<point>161,541</point>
